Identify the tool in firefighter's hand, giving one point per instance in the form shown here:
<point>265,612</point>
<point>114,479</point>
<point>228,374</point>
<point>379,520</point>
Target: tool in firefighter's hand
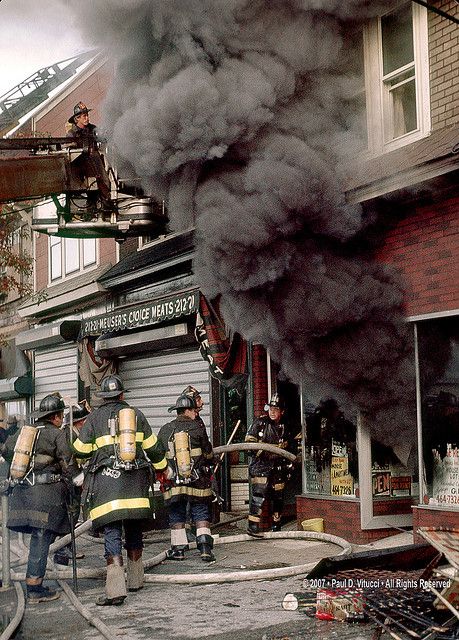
<point>127,421</point>
<point>23,452</point>
<point>217,496</point>
<point>230,439</point>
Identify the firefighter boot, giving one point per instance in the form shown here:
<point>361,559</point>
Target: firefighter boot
<point>38,593</point>
<point>205,542</point>
<point>253,529</point>
<point>176,552</point>
<point>134,569</point>
<point>115,584</point>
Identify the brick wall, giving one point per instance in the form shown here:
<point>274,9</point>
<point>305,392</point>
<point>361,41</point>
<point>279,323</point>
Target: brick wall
<point>41,261</point>
<point>341,518</point>
<point>425,517</point>
<point>91,91</point>
<point>260,379</point>
<point>107,251</point>
<point>444,68</point>
<point>424,246</point>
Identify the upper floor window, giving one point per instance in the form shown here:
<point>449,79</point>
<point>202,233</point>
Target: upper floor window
<point>70,256</point>
<point>397,78</point>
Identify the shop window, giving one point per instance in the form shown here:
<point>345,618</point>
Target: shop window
<point>70,256</point>
<point>397,76</point>
<point>439,377</point>
<point>330,452</point>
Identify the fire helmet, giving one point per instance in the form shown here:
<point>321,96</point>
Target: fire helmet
<point>111,387</point>
<point>78,109</point>
<point>80,412</point>
<point>191,392</point>
<point>183,402</point>
<point>50,404</point>
<point>275,401</point>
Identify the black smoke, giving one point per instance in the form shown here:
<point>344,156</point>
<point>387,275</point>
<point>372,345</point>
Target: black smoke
<point>243,115</point>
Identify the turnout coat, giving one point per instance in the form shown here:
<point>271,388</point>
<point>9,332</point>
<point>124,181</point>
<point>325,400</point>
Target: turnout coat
<point>112,493</point>
<point>39,501</point>
<point>198,490</point>
<point>264,464</point>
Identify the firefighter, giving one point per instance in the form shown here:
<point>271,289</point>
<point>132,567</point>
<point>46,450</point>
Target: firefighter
<point>190,457</point>
<point>268,472</point>
<point>117,439</point>
<point>79,125</point>
<point>38,499</point>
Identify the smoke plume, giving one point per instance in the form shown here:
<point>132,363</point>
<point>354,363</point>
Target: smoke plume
<point>242,115</point>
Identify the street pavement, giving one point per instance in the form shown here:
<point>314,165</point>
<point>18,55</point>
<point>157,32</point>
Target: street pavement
<point>232,611</point>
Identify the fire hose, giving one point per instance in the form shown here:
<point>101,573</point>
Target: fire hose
<point>255,446</point>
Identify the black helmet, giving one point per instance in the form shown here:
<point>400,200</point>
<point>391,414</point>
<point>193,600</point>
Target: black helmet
<point>80,412</point>
<point>78,109</point>
<point>49,405</point>
<point>191,392</point>
<point>111,387</point>
<point>183,402</point>
<point>275,401</point>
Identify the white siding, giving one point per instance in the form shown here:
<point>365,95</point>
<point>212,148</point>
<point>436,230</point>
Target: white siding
<point>56,369</point>
<point>155,382</point>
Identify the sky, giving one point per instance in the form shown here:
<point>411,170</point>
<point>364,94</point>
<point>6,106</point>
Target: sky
<point>33,34</point>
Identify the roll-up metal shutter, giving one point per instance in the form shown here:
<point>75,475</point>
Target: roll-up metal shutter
<point>155,382</point>
<point>56,369</point>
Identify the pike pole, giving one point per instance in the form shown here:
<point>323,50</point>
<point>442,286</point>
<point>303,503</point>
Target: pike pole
<point>218,498</point>
<point>6,570</point>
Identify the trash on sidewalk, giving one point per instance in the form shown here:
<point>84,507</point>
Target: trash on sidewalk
<point>393,588</point>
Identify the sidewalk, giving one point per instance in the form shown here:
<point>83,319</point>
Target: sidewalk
<point>230,611</point>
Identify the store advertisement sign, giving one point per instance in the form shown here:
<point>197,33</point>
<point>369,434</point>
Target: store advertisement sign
<point>400,486</point>
<point>381,483</point>
<point>340,479</point>
<point>153,312</point>
<point>316,481</point>
<point>446,477</point>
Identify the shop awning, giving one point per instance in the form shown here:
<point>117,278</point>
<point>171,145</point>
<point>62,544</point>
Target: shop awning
<point>18,387</point>
<point>49,334</point>
<point>138,341</point>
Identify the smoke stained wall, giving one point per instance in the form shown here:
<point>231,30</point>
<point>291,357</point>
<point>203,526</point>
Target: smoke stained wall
<point>241,114</point>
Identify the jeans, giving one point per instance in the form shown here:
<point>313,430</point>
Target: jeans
<point>40,541</point>
<point>177,512</point>
<point>113,533</point>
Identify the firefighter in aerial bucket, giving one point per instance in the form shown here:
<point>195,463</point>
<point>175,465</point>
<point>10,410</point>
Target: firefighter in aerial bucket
<point>122,450</point>
<point>268,471</point>
<point>190,457</point>
<point>42,469</point>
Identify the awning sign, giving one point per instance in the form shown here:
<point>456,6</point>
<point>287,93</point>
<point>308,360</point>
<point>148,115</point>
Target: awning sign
<point>154,312</point>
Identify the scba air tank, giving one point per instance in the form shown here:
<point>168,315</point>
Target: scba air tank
<point>23,452</point>
<point>127,421</point>
<point>182,453</point>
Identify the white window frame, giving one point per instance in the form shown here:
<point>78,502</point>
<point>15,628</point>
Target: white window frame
<point>82,269</point>
<point>377,120</point>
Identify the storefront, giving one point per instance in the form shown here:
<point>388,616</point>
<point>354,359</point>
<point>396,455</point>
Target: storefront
<point>16,385</point>
<point>54,355</point>
<point>437,359</point>
<point>154,350</point>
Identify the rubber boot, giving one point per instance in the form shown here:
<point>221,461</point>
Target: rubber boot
<point>205,543</point>
<point>135,577</point>
<point>115,584</point>
<point>176,552</point>
<point>38,593</point>
<point>253,529</point>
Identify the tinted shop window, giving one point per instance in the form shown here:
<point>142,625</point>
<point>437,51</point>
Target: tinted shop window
<point>439,371</point>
